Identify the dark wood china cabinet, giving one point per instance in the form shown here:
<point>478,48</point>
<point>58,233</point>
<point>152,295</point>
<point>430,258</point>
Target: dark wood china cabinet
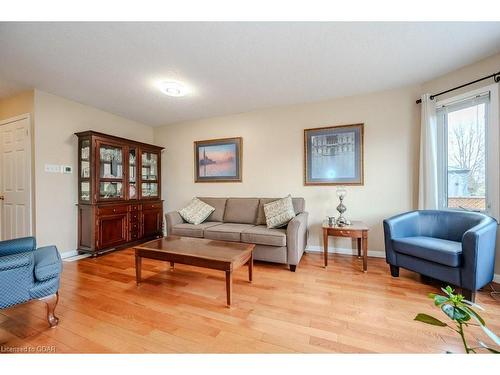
<point>119,190</point>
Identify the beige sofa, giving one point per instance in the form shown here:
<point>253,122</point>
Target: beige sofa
<point>243,220</point>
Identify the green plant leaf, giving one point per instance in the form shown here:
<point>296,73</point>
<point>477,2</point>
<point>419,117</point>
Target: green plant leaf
<point>491,335</point>
<point>474,314</point>
<point>491,350</point>
<point>469,303</point>
<point>448,290</point>
<point>424,318</point>
<point>455,313</point>
<point>439,300</point>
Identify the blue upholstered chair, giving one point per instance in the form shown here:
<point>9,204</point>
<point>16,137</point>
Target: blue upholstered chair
<point>28,273</point>
<point>457,247</point>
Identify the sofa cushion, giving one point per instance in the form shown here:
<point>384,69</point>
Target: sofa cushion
<point>262,235</point>
<point>192,230</point>
<point>226,232</point>
<point>436,250</point>
<point>220,206</point>
<point>196,211</point>
<point>279,213</point>
<point>298,207</point>
<point>241,210</point>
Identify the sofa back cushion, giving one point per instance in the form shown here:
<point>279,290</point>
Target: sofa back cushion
<point>447,224</point>
<point>241,210</point>
<point>298,206</point>
<point>220,206</point>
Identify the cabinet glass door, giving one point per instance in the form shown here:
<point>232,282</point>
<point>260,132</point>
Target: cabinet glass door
<point>110,172</point>
<point>132,173</point>
<point>149,174</point>
<point>85,170</point>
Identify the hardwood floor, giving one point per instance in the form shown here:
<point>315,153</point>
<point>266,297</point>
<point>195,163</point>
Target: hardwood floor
<point>314,310</point>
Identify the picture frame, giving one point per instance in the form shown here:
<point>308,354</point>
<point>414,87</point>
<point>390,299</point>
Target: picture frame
<point>334,155</point>
<point>218,160</point>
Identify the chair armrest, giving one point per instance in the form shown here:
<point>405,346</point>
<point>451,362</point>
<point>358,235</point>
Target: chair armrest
<point>399,226</point>
<point>18,245</point>
<point>48,263</point>
<point>172,218</point>
<point>14,261</point>
<point>478,254</point>
<point>296,238</point>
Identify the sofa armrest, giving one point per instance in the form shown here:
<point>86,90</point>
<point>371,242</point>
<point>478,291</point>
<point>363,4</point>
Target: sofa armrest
<point>478,254</point>
<point>296,238</point>
<point>172,218</point>
<point>48,263</point>
<point>18,245</point>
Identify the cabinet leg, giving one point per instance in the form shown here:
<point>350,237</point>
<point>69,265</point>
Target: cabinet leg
<point>172,265</point>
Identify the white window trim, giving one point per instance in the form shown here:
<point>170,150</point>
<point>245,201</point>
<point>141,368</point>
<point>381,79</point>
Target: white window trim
<point>492,149</point>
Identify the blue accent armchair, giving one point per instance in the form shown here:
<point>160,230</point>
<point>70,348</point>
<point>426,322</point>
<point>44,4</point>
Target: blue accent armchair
<point>457,247</point>
<point>28,273</point>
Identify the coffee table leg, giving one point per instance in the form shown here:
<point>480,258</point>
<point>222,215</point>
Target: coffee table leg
<point>138,264</point>
<point>229,287</point>
<point>172,265</point>
<point>250,268</point>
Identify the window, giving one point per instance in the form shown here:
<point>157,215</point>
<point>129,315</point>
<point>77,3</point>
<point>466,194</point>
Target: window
<point>467,169</point>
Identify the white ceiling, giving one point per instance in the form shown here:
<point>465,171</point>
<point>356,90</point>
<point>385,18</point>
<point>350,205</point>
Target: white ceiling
<point>233,67</point>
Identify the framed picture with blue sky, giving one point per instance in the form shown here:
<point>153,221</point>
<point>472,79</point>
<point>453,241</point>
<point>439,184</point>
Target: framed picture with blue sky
<point>218,160</point>
<point>334,155</point>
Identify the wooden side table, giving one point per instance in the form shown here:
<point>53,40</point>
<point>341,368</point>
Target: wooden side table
<point>357,229</point>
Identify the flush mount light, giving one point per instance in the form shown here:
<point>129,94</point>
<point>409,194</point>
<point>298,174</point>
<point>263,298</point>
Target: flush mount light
<point>172,88</point>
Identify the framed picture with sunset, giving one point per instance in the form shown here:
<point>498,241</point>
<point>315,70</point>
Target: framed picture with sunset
<point>218,160</point>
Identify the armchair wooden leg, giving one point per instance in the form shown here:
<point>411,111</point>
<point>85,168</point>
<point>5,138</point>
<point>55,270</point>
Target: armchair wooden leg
<point>51,302</point>
<point>394,270</point>
<point>469,294</point>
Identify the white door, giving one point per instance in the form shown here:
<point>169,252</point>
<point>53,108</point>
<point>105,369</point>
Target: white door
<point>15,178</point>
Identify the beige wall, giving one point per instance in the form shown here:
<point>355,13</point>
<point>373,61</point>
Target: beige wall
<point>273,157</point>
<point>57,119</point>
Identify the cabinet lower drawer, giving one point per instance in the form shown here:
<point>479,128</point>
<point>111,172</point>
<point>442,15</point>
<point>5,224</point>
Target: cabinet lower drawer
<point>134,227</point>
<point>151,206</point>
<point>111,210</point>
<point>134,216</point>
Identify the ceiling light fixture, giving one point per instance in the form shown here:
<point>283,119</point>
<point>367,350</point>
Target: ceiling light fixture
<point>172,88</point>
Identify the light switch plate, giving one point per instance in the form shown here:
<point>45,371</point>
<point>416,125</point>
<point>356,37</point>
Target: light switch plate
<point>52,168</point>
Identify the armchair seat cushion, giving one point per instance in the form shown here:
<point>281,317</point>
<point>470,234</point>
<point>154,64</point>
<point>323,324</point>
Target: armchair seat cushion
<point>448,253</point>
<point>262,235</point>
<point>48,263</point>
<point>192,230</point>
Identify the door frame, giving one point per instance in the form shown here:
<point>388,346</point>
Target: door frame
<point>29,151</point>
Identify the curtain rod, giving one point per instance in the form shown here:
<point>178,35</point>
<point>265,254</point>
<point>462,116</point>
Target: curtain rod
<point>495,76</point>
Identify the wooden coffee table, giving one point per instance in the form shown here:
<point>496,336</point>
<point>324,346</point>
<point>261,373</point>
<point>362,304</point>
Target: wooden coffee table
<point>199,252</point>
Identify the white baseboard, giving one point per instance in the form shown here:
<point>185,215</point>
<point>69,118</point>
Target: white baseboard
<point>496,278</point>
<point>69,254</point>
<point>340,250</point>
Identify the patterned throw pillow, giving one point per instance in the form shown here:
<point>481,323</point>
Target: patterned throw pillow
<point>279,213</point>
<point>196,211</point>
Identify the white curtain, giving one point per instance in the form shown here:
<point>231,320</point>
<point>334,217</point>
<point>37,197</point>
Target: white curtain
<point>428,176</point>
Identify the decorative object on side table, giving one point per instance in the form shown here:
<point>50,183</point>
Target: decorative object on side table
<point>218,160</point>
<point>341,220</point>
<point>333,155</point>
<point>357,229</point>
<point>461,312</point>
